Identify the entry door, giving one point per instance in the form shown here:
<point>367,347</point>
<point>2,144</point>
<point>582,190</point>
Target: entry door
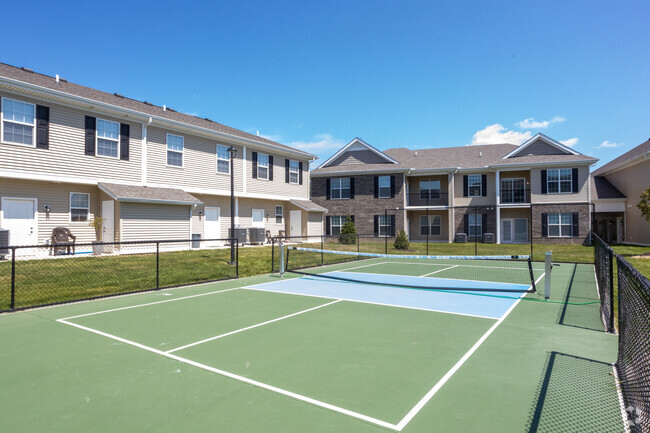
<point>211,225</point>
<point>258,218</point>
<point>295,223</point>
<point>506,230</point>
<point>108,226</point>
<point>19,217</point>
<point>619,230</point>
<point>521,230</point>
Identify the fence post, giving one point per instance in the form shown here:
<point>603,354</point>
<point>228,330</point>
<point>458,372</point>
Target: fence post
<point>157,264</point>
<point>237,258</point>
<point>13,278</point>
<point>322,246</point>
<point>611,291</point>
<point>428,226</point>
<point>475,237</point>
<point>385,232</point>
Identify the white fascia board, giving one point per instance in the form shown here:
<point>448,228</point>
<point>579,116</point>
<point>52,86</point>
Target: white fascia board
<point>64,179</point>
<point>226,193</point>
<point>293,202</point>
<point>610,200</point>
<point>546,139</point>
<point>149,200</point>
<point>545,164</point>
<point>474,169</point>
<point>358,172</point>
<point>425,171</point>
<point>144,117</point>
<point>363,143</point>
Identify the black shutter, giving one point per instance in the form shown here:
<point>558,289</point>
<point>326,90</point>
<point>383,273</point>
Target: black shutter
<point>351,187</point>
<point>124,141</point>
<point>327,189</point>
<point>484,185</point>
<point>575,231</point>
<point>300,173</point>
<point>91,123</point>
<point>466,224</point>
<point>254,165</point>
<point>376,232</point>
<point>327,224</point>
<point>465,186</point>
<point>574,180</point>
<point>484,223</point>
<point>270,167</point>
<point>392,225</point>
<point>392,187</point>
<point>544,224</point>
<point>351,218</point>
<point>544,191</point>
<point>286,171</point>
<point>376,186</point>
<point>42,127</point>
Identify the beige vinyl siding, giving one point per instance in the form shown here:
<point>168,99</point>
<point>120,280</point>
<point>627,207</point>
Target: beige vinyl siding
<point>223,203</point>
<point>540,147</point>
<point>414,226</point>
<point>488,200</point>
<point>536,187</point>
<point>515,213</point>
<point>66,154</point>
<point>57,196</point>
<point>199,163</point>
<point>277,186</point>
<point>358,157</point>
<point>315,224</point>
<point>246,207</point>
<point>145,221</point>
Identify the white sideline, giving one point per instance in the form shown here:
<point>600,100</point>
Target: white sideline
<point>196,343</point>
<point>439,270</point>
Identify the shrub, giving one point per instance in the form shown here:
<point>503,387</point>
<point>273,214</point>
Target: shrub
<point>402,242</point>
<point>348,235</point>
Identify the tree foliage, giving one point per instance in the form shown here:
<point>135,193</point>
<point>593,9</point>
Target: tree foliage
<point>348,235</point>
<point>644,204</point>
<point>402,241</point>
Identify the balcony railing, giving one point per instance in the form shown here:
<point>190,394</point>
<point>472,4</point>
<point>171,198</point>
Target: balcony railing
<point>515,195</point>
<point>428,198</point>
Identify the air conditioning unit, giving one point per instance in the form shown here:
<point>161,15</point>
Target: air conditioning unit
<point>4,243</point>
<point>460,237</point>
<point>488,238</point>
<point>256,235</point>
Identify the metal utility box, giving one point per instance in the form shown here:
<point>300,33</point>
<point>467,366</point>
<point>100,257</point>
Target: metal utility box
<point>196,240</point>
<point>240,235</point>
<point>4,243</point>
<point>257,235</point>
<point>488,238</point>
<point>461,237</point>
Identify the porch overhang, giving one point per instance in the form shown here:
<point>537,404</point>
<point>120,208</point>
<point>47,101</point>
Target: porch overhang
<point>308,205</point>
<point>609,205</point>
<point>148,194</point>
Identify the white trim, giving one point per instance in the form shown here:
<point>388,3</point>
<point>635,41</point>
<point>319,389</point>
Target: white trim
<point>143,168</point>
<point>167,150</point>
<point>363,143</point>
<point>97,138</point>
<point>297,172</point>
<point>70,207</point>
<point>144,200</point>
<point>243,169</point>
<point>2,124</point>
<point>546,139</point>
<point>357,172</point>
<point>469,187</point>
<point>553,164</point>
<point>268,166</point>
<point>379,186</point>
<point>559,181</point>
<point>217,159</point>
<point>281,214</point>
<point>3,207</point>
<point>295,203</point>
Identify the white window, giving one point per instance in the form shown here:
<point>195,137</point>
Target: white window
<point>175,145</point>
<point>474,184</point>
<point>262,166</point>
<point>336,223</point>
<point>294,168</point>
<point>559,224</point>
<point>559,181</point>
<point>384,225</point>
<point>513,191</point>
<point>223,159</point>
<point>429,189</point>
<point>340,188</point>
<point>18,120</point>
<point>384,186</point>
<point>475,222</point>
<point>430,226</point>
<point>108,138</point>
<point>278,214</point>
<point>79,206</point>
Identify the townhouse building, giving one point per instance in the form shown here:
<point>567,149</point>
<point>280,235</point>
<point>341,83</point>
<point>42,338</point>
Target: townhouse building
<point>502,192</point>
<point>69,153</point>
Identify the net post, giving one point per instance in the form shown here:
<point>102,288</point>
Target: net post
<point>272,255</point>
<point>281,246</point>
<point>548,267</point>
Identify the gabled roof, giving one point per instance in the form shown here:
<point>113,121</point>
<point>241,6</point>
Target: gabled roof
<point>601,189</point>
<point>638,154</point>
<point>308,205</point>
<point>358,143</point>
<point>546,139</point>
<point>13,76</point>
<point>147,194</point>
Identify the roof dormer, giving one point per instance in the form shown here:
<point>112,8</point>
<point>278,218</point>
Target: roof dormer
<point>358,152</point>
<point>541,144</point>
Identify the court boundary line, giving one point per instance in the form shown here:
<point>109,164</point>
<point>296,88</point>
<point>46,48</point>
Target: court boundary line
<point>621,401</point>
<point>445,264</point>
<point>439,270</point>
<point>206,340</point>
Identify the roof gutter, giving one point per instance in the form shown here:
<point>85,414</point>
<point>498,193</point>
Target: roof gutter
<point>545,163</point>
<point>351,173</point>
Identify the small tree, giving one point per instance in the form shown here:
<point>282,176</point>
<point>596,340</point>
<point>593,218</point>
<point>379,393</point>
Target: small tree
<point>402,241</point>
<point>644,204</point>
<point>348,235</point>
<point>97,223</point>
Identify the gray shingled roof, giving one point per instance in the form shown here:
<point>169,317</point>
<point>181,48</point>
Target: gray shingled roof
<point>117,100</point>
<point>641,149</point>
<point>308,205</point>
<point>147,194</point>
<point>601,188</point>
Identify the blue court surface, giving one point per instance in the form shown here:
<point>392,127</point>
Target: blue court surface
<point>491,305</point>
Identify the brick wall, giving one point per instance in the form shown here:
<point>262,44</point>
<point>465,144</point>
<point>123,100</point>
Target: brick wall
<point>459,219</point>
<point>583,223</point>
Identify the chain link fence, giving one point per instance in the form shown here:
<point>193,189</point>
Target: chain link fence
<point>604,267</point>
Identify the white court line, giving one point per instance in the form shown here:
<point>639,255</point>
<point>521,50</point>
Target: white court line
<point>151,303</point>
<point>439,270</point>
<point>364,266</point>
<point>409,416</point>
<point>251,327</point>
<point>240,378</point>
<point>465,266</point>
<point>621,401</point>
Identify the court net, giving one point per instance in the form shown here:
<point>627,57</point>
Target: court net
<point>461,273</point>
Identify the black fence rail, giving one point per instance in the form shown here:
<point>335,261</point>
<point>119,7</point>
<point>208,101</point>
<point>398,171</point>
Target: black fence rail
<point>633,364</point>
<point>604,267</point>
<point>40,275</point>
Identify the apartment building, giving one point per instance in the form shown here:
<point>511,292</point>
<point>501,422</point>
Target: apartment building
<point>69,153</point>
<point>504,192</point>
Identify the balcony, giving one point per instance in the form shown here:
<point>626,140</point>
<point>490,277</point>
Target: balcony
<point>514,195</point>
<point>428,198</point>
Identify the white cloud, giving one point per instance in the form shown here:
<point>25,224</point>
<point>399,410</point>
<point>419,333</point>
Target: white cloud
<point>531,123</point>
<point>570,142</point>
<point>320,143</point>
<point>276,138</point>
<point>495,134</point>
<point>610,144</point>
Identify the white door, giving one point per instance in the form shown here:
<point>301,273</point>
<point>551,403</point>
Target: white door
<point>19,217</point>
<point>258,218</point>
<point>108,225</point>
<point>295,223</point>
<point>211,225</point>
<point>506,231</point>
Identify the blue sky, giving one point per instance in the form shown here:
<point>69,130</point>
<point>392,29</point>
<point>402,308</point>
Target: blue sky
<point>316,74</point>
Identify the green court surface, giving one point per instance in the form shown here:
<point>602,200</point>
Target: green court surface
<point>250,356</point>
